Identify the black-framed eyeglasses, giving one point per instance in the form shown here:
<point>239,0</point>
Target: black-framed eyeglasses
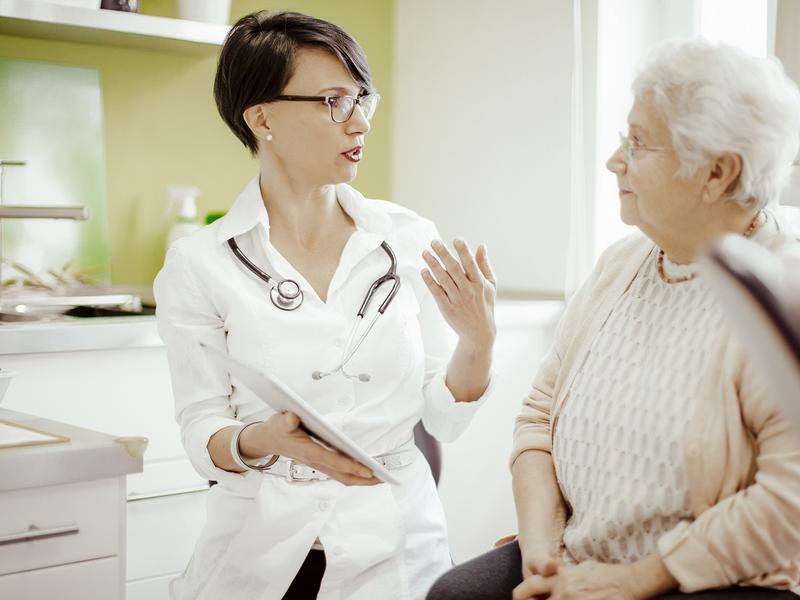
<point>341,107</point>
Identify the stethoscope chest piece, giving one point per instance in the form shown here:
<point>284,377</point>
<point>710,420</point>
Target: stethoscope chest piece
<point>287,295</point>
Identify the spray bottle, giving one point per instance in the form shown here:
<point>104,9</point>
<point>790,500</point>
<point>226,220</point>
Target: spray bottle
<point>184,199</point>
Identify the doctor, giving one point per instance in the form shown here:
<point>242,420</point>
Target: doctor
<point>279,283</point>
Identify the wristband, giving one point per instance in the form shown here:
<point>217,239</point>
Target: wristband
<point>262,464</point>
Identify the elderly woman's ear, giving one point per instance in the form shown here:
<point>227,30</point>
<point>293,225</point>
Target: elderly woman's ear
<point>722,177</point>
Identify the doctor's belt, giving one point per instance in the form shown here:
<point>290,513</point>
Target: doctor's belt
<point>295,472</point>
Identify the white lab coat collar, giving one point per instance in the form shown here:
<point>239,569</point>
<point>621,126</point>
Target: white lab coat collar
<point>248,212</point>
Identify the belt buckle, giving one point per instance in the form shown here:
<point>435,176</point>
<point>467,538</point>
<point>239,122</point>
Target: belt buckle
<point>291,476</point>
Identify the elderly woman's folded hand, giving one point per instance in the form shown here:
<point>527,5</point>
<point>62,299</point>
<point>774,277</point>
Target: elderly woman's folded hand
<point>587,581</point>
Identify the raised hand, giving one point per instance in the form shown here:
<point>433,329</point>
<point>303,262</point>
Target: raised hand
<point>464,289</point>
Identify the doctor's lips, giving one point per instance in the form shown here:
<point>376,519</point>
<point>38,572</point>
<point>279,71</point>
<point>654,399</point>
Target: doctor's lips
<point>623,191</point>
<point>354,154</point>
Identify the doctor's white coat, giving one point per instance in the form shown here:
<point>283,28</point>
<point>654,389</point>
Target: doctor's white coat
<point>384,541</point>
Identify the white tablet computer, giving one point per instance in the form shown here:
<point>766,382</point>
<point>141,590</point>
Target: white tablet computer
<point>281,398</point>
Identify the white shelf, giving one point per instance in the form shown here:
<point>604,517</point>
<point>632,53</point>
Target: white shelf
<point>37,19</point>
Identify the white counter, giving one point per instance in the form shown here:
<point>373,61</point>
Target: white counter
<point>87,455</point>
<point>101,333</point>
<point>63,524</point>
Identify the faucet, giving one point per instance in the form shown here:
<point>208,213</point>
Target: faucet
<point>8,211</point>
<point>78,213</point>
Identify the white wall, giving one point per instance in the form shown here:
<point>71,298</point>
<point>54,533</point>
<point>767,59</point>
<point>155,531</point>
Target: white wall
<point>475,486</point>
<point>481,130</point>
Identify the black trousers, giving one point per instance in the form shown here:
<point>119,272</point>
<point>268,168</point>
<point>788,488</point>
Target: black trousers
<point>305,585</point>
<point>494,575</point>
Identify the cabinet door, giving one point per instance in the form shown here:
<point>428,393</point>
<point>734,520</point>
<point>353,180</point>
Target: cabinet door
<point>154,588</point>
<point>92,580</point>
<point>55,525</point>
<point>162,533</point>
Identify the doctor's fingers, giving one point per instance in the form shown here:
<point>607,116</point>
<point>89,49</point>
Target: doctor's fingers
<point>333,461</point>
<point>347,477</point>
<point>435,289</point>
<point>346,471</point>
<point>467,260</point>
<point>450,263</point>
<point>441,276</point>
<point>482,257</point>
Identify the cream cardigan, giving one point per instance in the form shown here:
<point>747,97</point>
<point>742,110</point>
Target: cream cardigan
<point>743,458</point>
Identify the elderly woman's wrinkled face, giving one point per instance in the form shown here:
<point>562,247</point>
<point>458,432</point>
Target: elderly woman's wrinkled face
<point>652,196</point>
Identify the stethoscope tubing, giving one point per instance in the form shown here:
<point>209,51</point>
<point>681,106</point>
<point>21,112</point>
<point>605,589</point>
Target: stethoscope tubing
<point>290,303</point>
<point>263,275</point>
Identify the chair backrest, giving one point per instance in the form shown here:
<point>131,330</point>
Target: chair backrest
<point>430,448</point>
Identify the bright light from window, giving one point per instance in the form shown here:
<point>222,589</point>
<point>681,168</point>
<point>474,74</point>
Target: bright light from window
<point>742,23</point>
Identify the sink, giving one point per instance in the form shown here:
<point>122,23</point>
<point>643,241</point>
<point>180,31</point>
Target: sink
<point>19,306</point>
<point>72,314</point>
<point>49,302</point>
<point>85,312</point>
<point>13,317</point>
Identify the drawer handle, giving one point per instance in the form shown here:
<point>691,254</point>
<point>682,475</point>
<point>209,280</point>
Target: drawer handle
<point>134,497</point>
<point>34,533</point>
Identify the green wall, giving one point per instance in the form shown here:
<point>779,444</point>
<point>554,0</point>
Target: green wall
<point>161,125</point>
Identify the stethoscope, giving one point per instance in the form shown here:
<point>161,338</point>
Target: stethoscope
<point>287,295</point>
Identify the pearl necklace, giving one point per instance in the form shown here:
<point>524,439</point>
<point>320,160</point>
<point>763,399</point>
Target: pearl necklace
<point>754,224</point>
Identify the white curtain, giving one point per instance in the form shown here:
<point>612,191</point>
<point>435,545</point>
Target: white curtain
<point>787,36</point>
<point>581,235</point>
<point>787,49</point>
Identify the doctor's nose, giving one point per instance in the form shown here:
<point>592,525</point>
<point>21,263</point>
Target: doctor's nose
<point>358,124</point>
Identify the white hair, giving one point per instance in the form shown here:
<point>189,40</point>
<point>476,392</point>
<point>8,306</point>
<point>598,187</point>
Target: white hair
<point>716,98</point>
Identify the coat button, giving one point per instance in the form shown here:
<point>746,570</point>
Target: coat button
<point>323,505</point>
<point>694,451</point>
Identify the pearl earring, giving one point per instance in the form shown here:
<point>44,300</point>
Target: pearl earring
<point>269,137</point>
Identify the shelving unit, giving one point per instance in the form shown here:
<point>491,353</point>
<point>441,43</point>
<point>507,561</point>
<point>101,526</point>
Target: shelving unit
<point>43,20</point>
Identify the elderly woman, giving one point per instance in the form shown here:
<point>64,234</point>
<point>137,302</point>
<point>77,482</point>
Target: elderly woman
<point>648,459</point>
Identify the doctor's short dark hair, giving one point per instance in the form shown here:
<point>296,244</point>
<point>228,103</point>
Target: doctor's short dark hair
<point>258,59</point>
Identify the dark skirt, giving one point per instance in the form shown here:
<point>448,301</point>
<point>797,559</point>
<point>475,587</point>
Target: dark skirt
<point>305,585</point>
<point>494,575</point>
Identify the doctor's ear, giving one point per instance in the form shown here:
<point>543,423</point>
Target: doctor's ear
<point>257,119</point>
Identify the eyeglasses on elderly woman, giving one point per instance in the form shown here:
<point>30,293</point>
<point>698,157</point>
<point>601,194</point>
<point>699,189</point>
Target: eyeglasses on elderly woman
<point>631,148</point>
